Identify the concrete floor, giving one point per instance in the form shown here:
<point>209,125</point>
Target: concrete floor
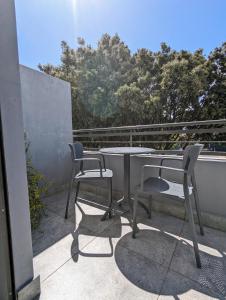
<point>84,258</point>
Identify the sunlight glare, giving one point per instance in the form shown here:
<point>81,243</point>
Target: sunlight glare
<point>74,6</point>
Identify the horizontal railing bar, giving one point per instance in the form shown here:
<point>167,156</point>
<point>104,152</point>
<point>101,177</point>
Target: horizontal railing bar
<point>152,142</point>
<point>164,125</point>
<point>176,152</point>
<point>159,132</point>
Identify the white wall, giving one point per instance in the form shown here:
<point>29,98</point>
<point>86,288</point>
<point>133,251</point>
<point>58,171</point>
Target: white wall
<point>48,123</point>
<point>210,176</point>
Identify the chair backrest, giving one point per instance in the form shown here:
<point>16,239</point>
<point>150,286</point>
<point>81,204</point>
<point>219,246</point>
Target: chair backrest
<point>191,154</point>
<point>76,150</point>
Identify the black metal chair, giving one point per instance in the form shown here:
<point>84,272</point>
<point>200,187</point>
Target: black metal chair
<point>77,156</point>
<point>159,185</point>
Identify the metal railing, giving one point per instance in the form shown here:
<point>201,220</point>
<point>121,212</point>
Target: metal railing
<point>165,137</point>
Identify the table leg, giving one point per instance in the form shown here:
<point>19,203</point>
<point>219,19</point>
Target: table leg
<point>126,176</point>
<point>126,181</point>
<point>127,195</point>
<point>126,187</point>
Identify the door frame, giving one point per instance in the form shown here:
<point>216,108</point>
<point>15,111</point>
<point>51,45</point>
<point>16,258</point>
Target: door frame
<point>7,286</point>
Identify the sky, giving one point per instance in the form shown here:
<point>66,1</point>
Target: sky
<point>183,24</point>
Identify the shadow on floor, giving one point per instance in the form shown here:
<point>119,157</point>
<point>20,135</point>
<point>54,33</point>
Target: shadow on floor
<point>89,225</point>
<point>160,260</point>
<point>211,276</point>
<point>53,227</point>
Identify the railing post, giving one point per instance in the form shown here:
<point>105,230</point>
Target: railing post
<point>131,139</point>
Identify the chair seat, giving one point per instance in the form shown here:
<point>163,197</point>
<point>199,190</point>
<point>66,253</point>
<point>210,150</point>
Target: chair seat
<point>155,185</point>
<point>94,174</point>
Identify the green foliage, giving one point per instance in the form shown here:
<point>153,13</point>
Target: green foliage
<point>113,87</point>
<point>214,101</point>
<point>37,187</point>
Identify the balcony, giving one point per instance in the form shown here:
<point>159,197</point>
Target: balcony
<point>100,260</point>
<point>84,258</point>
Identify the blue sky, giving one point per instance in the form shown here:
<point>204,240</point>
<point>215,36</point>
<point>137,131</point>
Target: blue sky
<point>183,24</point>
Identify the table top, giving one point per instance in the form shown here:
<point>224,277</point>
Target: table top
<point>126,150</point>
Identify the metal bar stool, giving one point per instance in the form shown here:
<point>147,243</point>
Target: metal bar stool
<point>159,185</point>
<point>77,156</point>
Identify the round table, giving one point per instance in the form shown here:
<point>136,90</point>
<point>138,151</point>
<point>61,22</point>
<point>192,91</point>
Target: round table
<point>126,152</point>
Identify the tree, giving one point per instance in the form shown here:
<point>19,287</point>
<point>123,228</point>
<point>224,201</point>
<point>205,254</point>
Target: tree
<point>95,76</point>
<point>214,100</point>
<point>182,86</point>
<point>112,87</point>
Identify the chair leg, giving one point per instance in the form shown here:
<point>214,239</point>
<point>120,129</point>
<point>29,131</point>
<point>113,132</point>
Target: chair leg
<point>146,208</point>
<point>68,198</point>
<point>188,207</point>
<point>109,210</point>
<point>150,206</point>
<point>135,218</point>
<point>197,205</point>
<point>110,198</point>
<point>198,211</point>
<point>77,191</point>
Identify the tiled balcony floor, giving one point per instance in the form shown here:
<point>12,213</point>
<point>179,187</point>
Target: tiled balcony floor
<point>84,258</point>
